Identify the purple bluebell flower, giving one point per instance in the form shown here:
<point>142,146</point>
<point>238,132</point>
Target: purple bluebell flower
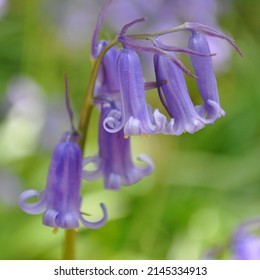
<point>175,98</point>
<point>135,117</point>
<point>246,244</point>
<point>206,79</point>
<point>114,161</point>
<point>61,200</point>
<point>107,80</point>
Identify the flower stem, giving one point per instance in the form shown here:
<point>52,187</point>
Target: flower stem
<point>69,252</point>
<point>149,35</point>
<point>87,103</point>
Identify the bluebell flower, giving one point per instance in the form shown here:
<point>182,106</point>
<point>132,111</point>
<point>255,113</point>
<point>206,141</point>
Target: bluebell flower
<point>176,99</point>
<point>203,67</point>
<point>61,200</point>
<point>206,79</point>
<point>135,117</point>
<point>114,161</point>
<point>120,79</point>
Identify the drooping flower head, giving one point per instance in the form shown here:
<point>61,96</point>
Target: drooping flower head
<point>137,118</point>
<point>61,200</point>
<point>114,161</point>
<point>204,70</point>
<point>206,79</point>
<point>176,99</point>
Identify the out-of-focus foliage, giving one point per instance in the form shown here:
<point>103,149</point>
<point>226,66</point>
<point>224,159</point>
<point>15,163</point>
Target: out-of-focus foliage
<point>203,186</point>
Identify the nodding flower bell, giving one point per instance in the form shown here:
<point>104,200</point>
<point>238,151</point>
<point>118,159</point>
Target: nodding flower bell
<point>175,98</point>
<point>135,117</point>
<point>114,162</point>
<point>61,200</point>
<point>206,79</point>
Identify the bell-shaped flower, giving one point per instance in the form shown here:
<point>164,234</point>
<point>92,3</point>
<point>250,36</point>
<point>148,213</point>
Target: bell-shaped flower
<point>175,98</point>
<point>61,201</point>
<point>135,117</point>
<point>206,79</point>
<point>114,161</point>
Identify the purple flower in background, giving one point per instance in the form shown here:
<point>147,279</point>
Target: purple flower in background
<point>114,161</point>
<point>61,200</point>
<point>247,248</point>
<point>41,124</point>
<point>246,244</point>
<point>3,7</point>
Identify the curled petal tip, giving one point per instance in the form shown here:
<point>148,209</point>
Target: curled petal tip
<point>98,224</point>
<point>149,168</point>
<point>215,112</point>
<point>112,122</point>
<point>32,208</point>
<point>93,174</point>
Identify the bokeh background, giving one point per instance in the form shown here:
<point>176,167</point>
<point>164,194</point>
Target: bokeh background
<point>204,185</point>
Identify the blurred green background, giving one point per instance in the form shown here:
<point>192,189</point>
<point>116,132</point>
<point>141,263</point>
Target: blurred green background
<point>203,186</point>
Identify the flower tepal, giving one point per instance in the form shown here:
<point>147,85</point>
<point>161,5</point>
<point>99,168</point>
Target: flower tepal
<point>61,200</point>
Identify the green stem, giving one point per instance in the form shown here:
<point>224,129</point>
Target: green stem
<point>87,103</point>
<point>69,252</point>
<point>147,36</point>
